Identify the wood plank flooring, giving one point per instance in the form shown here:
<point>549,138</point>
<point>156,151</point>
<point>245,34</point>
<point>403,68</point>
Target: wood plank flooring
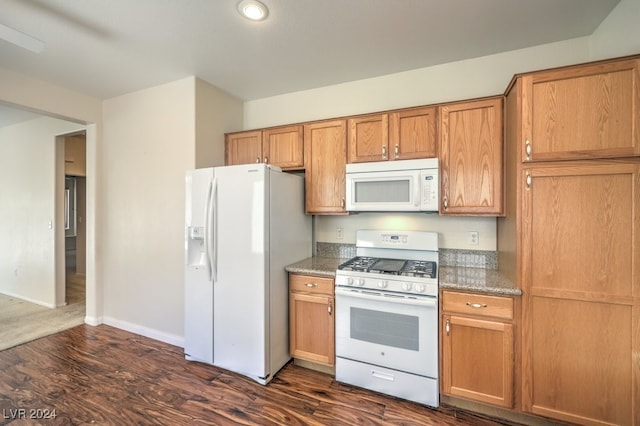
<point>103,375</point>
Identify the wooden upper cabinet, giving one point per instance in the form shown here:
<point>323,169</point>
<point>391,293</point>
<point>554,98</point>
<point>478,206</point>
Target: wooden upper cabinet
<point>325,157</point>
<point>471,157</point>
<point>243,147</point>
<point>368,138</point>
<point>280,146</point>
<point>75,155</point>
<point>587,111</point>
<point>412,133</point>
<point>284,147</point>
<point>397,135</point>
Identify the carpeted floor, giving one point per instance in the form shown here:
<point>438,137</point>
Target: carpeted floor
<point>22,321</point>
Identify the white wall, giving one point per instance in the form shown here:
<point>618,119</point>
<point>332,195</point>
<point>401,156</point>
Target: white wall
<point>217,112</point>
<point>149,142</point>
<point>28,204</point>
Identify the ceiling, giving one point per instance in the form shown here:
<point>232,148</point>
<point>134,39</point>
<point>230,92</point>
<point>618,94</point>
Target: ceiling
<point>106,48</point>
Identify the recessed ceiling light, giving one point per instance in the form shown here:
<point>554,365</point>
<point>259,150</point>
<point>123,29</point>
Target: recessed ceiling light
<point>253,9</point>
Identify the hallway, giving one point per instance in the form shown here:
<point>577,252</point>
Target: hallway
<point>22,321</point>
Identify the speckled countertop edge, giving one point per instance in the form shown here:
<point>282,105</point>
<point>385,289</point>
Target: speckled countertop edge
<point>478,280</point>
<point>317,265</point>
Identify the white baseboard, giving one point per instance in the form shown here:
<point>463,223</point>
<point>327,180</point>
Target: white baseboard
<point>94,321</point>
<point>30,300</point>
<point>171,339</point>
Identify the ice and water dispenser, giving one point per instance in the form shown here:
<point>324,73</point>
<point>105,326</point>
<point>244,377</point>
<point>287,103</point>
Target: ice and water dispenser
<point>196,254</point>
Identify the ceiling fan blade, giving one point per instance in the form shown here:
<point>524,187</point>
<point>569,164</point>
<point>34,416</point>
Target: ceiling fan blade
<point>21,39</point>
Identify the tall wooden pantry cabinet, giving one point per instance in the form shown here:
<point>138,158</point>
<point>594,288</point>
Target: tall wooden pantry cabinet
<point>571,239</point>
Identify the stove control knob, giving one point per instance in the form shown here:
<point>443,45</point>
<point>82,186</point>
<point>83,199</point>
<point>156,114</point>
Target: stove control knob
<point>360,282</point>
<point>382,284</point>
<point>349,281</point>
<point>420,288</point>
<point>406,286</point>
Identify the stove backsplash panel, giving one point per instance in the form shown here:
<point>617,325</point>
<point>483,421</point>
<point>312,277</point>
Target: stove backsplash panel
<point>447,257</point>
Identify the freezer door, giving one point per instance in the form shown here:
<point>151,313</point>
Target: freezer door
<point>241,288</point>
<point>198,331</point>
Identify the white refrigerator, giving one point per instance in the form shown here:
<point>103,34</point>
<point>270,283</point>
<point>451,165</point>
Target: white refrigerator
<point>243,225</point>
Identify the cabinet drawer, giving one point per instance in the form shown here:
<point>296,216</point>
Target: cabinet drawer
<point>478,304</point>
<point>311,284</point>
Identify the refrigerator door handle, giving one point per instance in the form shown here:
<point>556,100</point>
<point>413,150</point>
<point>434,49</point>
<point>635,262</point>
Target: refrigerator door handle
<point>207,230</point>
<point>214,228</point>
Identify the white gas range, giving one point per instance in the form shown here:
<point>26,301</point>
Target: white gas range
<point>387,315</point>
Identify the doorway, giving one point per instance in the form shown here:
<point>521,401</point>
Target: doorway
<point>75,218</point>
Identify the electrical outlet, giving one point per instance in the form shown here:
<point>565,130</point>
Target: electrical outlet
<point>473,238</point>
<point>339,234</point>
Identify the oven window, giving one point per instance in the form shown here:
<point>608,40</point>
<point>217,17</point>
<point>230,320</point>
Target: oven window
<point>386,191</point>
<point>385,328</point>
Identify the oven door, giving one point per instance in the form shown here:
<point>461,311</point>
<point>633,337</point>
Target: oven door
<point>388,330</point>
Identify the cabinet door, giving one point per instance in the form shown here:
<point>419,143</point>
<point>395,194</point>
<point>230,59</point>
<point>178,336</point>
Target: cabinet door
<point>471,147</point>
<point>311,327</point>
<point>581,286</point>
<point>75,155</point>
<point>412,133</point>
<point>582,112</point>
<point>283,147</point>
<point>325,157</point>
<point>243,148</point>
<point>477,359</point>
<point>368,138</point>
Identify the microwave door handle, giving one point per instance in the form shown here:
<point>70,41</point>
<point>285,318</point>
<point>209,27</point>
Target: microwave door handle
<point>417,191</point>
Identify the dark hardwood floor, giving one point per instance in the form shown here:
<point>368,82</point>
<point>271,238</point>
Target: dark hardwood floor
<point>103,375</point>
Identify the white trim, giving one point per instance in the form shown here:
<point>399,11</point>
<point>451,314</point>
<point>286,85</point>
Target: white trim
<point>171,339</point>
<point>30,300</point>
<point>94,321</point>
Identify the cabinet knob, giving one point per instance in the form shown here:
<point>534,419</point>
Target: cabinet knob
<point>447,327</point>
<point>311,285</point>
<point>445,203</point>
<point>257,159</point>
<point>329,308</point>
<point>396,151</point>
<point>527,149</point>
<point>528,181</point>
<point>384,152</point>
<point>342,203</point>
<point>266,160</point>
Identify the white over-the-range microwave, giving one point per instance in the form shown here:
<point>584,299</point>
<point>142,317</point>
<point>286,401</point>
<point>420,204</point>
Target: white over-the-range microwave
<point>393,186</point>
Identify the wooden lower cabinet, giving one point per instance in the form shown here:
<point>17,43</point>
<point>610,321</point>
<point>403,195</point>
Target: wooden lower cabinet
<point>311,319</point>
<point>477,347</point>
<point>581,303</point>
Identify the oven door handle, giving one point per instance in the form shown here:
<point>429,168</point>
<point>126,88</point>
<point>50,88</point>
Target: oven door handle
<point>384,297</point>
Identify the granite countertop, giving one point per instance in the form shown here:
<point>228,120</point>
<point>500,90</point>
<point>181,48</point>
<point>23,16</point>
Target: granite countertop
<point>478,280</point>
<point>317,265</point>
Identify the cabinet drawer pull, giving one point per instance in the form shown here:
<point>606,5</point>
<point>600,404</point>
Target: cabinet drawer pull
<point>445,203</point>
<point>397,151</point>
<point>477,305</point>
<point>384,152</point>
<point>447,327</point>
<point>329,308</point>
<point>257,159</point>
<point>527,149</point>
<point>266,160</point>
<point>311,285</point>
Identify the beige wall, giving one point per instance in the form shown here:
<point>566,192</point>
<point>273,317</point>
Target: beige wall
<point>149,141</point>
<point>30,176</point>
